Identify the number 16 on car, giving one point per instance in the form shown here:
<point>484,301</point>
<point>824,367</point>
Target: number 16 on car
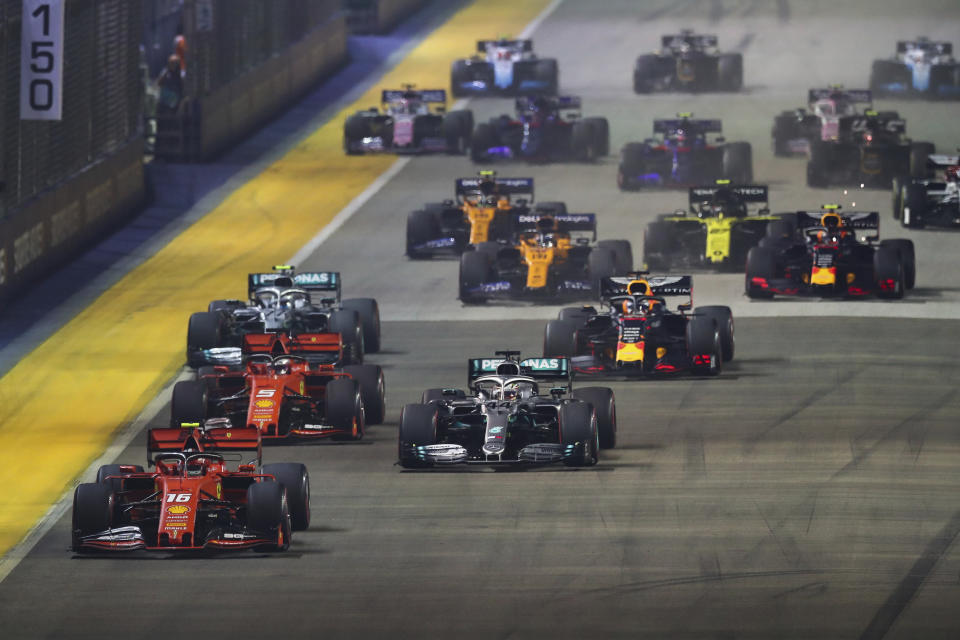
<point>41,60</point>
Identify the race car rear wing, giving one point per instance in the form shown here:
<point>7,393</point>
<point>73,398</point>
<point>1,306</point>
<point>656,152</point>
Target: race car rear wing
<point>853,95</point>
<point>669,125</point>
<point>324,282</point>
<point>871,120</point>
<point>567,222</point>
<point>940,160</point>
<point>658,286</point>
<point>747,192</point>
<point>537,368</point>
<point>857,220</point>
<point>431,96</point>
<point>524,103</point>
<point>522,45</point>
<point>197,437</point>
<point>940,48</point>
<point>507,186</point>
<point>695,40</point>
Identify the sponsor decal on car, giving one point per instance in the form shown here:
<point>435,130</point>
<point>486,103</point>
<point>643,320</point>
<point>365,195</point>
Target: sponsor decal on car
<point>263,404</point>
<point>178,509</point>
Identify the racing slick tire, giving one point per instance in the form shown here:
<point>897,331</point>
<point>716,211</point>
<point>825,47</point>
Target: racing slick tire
<point>580,315</point>
<point>657,246</point>
<point>369,312</point>
<point>189,403</point>
<point>888,266</point>
<point>601,135</point>
<point>457,127</point>
<point>622,252</point>
<point>818,166</point>
<point>896,195</point>
<point>604,406</point>
<point>601,263</point>
<point>703,339</point>
<point>484,137</point>
<point>908,257</point>
<point>578,427</point>
<point>761,263</point>
<point>723,316</point>
<point>730,72</point>
<point>474,269</point>
<point>93,510</point>
<point>560,339</point>
<point>295,478</point>
<point>913,204</point>
<point>887,72</point>
<point>347,323</point>
<point>203,332</point>
<point>553,208</point>
<point>645,71</point>
<point>738,162</point>
<point>583,142</point>
<point>779,232</point>
<point>783,124</point>
<point>422,226</point>
<point>372,390</point>
<point>268,512</point>
<point>631,163</point>
<point>344,408</point>
<point>418,426</point>
<point>354,129</point>
<point>107,470</point>
<point>434,395</point>
<point>919,152</point>
<point>547,71</point>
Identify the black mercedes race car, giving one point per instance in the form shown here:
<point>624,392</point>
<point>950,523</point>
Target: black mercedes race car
<point>921,67</point>
<point>406,123</point>
<point>545,129</point>
<point>684,155</point>
<point>934,200</point>
<point>483,211</point>
<point>286,302</point>
<point>717,231</point>
<point>818,253</point>
<point>550,258</point>
<point>504,418</point>
<point>688,62</point>
<point>635,334</point>
<point>504,67</point>
<point>869,149</point>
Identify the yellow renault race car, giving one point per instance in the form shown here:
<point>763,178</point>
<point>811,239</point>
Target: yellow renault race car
<point>481,212</point>
<point>716,232</point>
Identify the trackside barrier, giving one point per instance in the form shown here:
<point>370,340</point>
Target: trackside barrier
<point>378,16</point>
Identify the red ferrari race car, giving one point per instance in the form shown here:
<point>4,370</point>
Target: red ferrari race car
<point>191,502</point>
<point>284,396</point>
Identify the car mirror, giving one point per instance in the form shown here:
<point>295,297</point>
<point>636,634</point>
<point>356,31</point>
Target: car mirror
<point>721,139</point>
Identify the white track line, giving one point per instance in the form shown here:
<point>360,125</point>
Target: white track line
<point>20,551</point>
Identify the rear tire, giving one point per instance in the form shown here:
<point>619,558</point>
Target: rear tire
<point>560,339</point>
<point>268,513</point>
<point>623,254</point>
<point>457,127</point>
<point>474,269</point>
<point>189,403</point>
<point>703,339</point>
<point>344,408</point>
<point>730,72</point>
<point>913,204</point>
<point>738,162</point>
<point>583,144</point>
<point>484,137</point>
<point>908,257</point>
<point>723,316</point>
<point>604,406</point>
<point>919,152</point>
<point>644,73</point>
<point>422,226</point>
<point>369,312</point>
<point>888,266</point>
<point>761,263</point>
<point>372,390</point>
<point>601,263</point>
<point>347,323</point>
<point>601,135</point>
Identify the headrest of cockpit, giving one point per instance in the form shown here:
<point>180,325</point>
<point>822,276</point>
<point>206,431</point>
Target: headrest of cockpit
<point>283,282</point>
<point>508,369</point>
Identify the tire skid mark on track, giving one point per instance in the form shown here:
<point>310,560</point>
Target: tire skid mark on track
<point>903,595</point>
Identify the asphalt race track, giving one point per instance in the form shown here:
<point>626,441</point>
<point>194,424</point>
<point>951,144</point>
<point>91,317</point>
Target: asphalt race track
<point>811,491</point>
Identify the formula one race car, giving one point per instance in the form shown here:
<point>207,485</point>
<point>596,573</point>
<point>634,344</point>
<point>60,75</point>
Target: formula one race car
<point>869,149</point>
<point>918,202</point>
<point>406,124</point>
<point>818,253</point>
<point>545,263</point>
<point>503,418</point>
<point>921,67</point>
<point>717,231</point>
<point>504,67</point>
<point>636,335</point>
<point>683,155</point>
<point>794,132</point>
<point>191,502</point>
<point>284,396</point>
<point>545,129</point>
<point>482,212</point>
<point>688,62</point>
<point>284,302</point>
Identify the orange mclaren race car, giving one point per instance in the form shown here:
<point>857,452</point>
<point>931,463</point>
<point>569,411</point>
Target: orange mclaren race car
<point>636,335</point>
<point>191,502</point>
<point>285,396</point>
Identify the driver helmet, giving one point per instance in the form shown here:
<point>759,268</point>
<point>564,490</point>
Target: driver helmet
<point>281,368</point>
<point>953,174</point>
<point>627,307</point>
<point>197,467</point>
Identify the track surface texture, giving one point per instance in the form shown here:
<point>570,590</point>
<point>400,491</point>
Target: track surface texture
<point>811,491</point>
